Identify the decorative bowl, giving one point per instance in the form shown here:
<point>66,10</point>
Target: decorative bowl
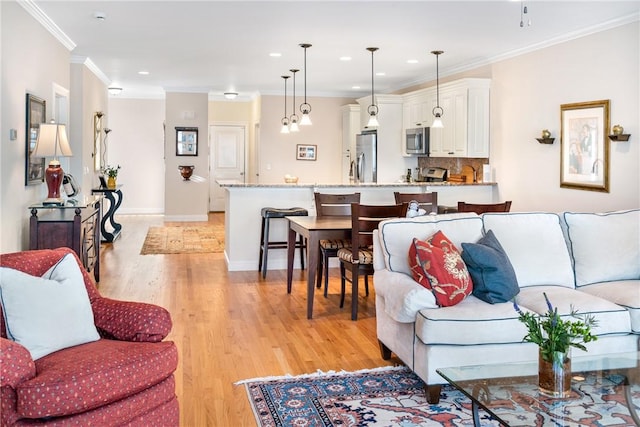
<point>290,179</point>
<point>186,171</point>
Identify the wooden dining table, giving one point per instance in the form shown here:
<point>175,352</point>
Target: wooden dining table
<point>314,229</point>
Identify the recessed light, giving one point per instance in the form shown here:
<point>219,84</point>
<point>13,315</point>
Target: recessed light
<point>381,73</point>
<point>355,87</point>
<point>275,54</point>
<point>345,58</point>
<point>412,61</point>
<point>143,73</point>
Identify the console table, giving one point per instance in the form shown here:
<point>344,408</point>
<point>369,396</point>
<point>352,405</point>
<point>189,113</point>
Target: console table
<point>115,199</point>
<point>73,224</point>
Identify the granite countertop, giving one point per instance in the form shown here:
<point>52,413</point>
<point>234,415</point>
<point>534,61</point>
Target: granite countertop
<point>238,184</point>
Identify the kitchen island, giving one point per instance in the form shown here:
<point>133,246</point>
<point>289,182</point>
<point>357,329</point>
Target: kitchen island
<point>243,203</point>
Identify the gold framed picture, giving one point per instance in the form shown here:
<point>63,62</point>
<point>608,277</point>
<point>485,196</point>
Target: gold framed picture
<point>584,146</point>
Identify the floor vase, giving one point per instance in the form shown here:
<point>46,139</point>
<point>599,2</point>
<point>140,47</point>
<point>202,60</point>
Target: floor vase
<point>554,376</point>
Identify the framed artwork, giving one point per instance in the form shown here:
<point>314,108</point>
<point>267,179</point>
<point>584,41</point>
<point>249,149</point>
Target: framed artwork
<point>306,152</point>
<point>186,141</point>
<point>36,114</point>
<point>584,146</point>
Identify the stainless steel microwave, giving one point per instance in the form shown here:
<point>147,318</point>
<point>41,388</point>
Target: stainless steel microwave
<point>417,141</point>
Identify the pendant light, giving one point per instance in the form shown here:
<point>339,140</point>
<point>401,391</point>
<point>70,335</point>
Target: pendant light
<point>305,108</point>
<point>437,111</point>
<point>285,119</point>
<point>373,108</point>
<point>293,120</point>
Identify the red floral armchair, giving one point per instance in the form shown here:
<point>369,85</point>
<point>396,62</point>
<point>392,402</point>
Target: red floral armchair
<point>124,378</point>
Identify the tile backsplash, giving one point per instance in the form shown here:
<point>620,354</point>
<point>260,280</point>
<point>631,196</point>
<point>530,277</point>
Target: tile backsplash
<point>454,165</point>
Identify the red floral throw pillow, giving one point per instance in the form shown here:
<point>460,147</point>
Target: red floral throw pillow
<point>437,265</point>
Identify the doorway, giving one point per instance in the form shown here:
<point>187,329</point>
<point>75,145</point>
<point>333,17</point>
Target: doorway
<point>227,160</point>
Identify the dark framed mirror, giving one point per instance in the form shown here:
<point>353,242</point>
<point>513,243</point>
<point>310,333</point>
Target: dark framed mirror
<point>186,141</point>
<point>36,114</point>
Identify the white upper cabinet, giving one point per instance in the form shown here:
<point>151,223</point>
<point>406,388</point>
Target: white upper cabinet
<point>465,104</point>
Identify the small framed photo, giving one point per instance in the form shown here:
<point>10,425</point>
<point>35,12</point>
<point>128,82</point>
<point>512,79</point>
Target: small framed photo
<point>186,141</point>
<point>584,146</point>
<point>306,152</point>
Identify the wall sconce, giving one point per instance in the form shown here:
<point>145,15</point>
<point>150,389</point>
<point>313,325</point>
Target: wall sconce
<point>546,137</point>
<point>618,134</point>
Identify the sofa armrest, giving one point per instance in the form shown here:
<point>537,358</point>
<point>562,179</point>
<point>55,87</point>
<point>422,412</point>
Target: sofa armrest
<point>403,296</point>
<point>16,364</point>
<point>131,321</point>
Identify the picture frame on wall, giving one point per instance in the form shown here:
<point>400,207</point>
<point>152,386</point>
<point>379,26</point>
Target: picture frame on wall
<point>306,152</point>
<point>36,113</point>
<point>584,146</point>
<point>186,141</point>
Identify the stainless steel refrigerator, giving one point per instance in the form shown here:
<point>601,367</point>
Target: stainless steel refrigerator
<point>366,157</point>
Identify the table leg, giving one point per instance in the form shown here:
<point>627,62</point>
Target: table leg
<point>291,248</point>
<point>313,246</point>
<point>474,412</point>
<point>108,216</point>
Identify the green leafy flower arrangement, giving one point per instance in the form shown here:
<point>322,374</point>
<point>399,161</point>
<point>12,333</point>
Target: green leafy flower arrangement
<point>111,171</point>
<point>555,335</point>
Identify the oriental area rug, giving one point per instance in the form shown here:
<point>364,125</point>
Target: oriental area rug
<point>183,240</point>
<point>394,396</point>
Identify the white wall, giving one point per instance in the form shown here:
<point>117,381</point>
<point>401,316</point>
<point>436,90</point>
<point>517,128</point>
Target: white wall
<point>136,143</point>
<point>526,95</point>
<point>29,65</point>
<point>278,151</point>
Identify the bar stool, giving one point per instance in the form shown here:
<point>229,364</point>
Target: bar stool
<point>265,244</point>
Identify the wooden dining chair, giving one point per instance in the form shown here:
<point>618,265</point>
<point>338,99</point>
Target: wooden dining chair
<point>332,205</point>
<point>427,201</point>
<point>482,208</point>
<point>359,257</point>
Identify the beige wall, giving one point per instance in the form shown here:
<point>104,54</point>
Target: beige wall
<point>29,65</point>
<point>186,200</point>
<point>136,143</point>
<point>278,151</point>
<point>526,95</point>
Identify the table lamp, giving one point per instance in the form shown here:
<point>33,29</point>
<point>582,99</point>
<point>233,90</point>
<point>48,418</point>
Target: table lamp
<point>53,142</point>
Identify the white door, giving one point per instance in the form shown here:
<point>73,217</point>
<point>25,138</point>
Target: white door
<point>227,160</point>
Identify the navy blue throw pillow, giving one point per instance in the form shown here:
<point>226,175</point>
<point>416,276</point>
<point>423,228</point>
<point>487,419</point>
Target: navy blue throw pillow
<point>491,271</point>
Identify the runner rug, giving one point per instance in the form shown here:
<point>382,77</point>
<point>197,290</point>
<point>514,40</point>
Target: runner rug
<point>183,240</point>
<point>395,397</point>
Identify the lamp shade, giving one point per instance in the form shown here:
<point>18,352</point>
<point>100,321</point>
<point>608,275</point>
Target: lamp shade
<point>52,141</point>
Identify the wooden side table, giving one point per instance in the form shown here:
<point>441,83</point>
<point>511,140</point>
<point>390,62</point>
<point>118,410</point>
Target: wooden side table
<point>74,225</point>
<point>115,199</point>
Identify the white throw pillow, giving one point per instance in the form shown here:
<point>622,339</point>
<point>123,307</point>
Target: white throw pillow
<point>49,313</point>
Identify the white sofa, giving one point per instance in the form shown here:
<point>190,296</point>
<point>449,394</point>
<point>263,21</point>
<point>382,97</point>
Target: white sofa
<point>587,261</point>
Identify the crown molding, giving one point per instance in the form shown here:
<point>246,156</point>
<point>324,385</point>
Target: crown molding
<point>87,62</point>
<point>39,15</point>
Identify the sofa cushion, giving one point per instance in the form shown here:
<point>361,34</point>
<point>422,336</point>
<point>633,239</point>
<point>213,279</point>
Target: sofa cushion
<point>436,264</point>
<point>604,246</point>
<point>396,235</point>
<point>491,271</point>
<point>535,245</point>
<point>92,375</point>
<point>471,322</point>
<point>612,319</point>
<point>48,313</point>
<point>625,293</point>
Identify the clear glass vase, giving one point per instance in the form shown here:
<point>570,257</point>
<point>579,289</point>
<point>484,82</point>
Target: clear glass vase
<point>554,377</point>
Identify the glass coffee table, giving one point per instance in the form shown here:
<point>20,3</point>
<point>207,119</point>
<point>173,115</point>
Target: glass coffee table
<point>605,390</point>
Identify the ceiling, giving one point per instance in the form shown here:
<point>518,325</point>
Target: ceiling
<point>223,46</point>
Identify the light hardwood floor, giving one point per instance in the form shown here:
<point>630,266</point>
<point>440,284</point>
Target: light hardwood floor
<point>230,326</point>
